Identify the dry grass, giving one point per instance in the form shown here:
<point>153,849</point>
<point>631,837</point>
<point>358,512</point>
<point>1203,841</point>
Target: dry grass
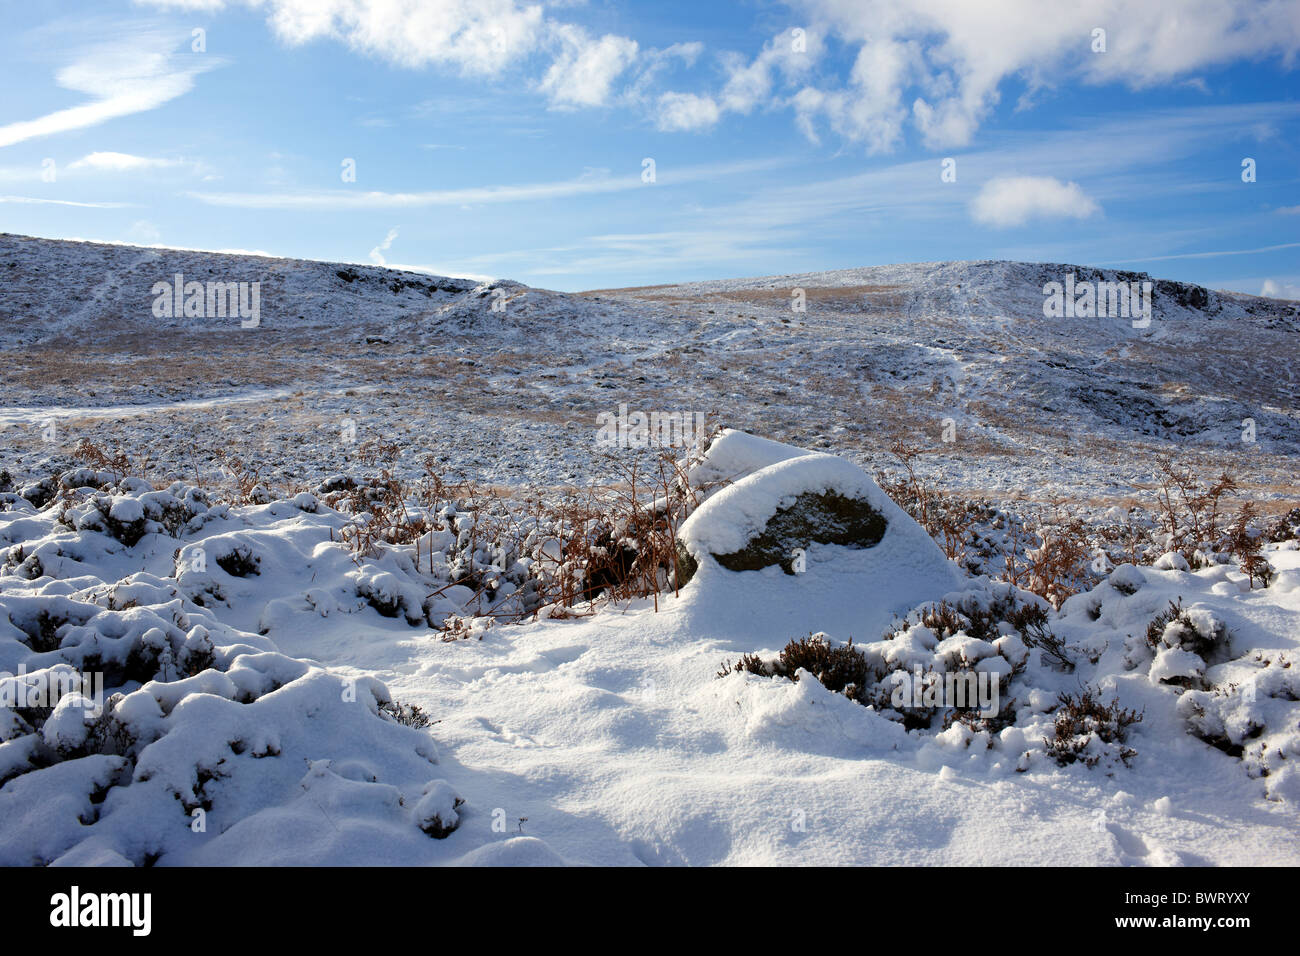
<point>614,541</point>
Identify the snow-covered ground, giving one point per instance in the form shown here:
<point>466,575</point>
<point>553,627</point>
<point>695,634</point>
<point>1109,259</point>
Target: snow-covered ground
<point>1074,408</point>
<point>262,669</point>
<point>261,690</point>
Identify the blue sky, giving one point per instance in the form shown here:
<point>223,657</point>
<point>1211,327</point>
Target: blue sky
<point>504,138</point>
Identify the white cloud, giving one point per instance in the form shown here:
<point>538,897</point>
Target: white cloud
<point>121,162</point>
<point>479,38</point>
<point>143,232</point>
<point>870,110</point>
<point>944,62</point>
<point>1014,200</point>
<point>121,78</point>
<point>936,66</point>
<point>651,64</point>
<point>687,52</point>
<point>377,253</point>
<point>586,67</point>
<point>686,111</point>
<point>1280,290</point>
<point>750,84</point>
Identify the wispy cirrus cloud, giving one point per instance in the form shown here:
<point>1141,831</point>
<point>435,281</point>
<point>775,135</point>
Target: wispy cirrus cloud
<point>793,218</point>
<point>121,77</point>
<point>122,162</point>
<point>1215,253</point>
<point>31,200</point>
<point>595,183</point>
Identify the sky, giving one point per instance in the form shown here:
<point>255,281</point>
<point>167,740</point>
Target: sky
<point>574,145</point>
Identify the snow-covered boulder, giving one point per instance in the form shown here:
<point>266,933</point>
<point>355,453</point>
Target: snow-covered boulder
<point>803,541</point>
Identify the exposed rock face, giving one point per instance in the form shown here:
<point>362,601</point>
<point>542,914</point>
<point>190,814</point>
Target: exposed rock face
<point>825,518</point>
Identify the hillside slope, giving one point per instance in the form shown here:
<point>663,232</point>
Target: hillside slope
<point>504,382</point>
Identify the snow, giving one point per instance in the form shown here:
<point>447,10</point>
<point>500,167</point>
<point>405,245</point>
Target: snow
<point>882,353</point>
<point>735,454</point>
<point>1172,561</point>
<point>1173,663</point>
<point>257,727</point>
<point>261,679</point>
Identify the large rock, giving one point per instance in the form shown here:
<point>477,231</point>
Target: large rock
<point>825,517</point>
<point>863,559</point>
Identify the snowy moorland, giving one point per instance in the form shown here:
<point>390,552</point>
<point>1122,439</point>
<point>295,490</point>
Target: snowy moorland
<point>277,690</point>
<point>957,583</point>
<point>501,382</point>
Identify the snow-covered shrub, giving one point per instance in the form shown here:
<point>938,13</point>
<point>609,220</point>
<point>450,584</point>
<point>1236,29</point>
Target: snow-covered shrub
<point>40,492</point>
<point>181,508</point>
<point>1172,561</point>
<point>411,715</point>
<point>1185,641</point>
<point>1192,511</point>
<point>842,669</point>
<point>238,560</point>
<point>1001,608</point>
<point>191,707</point>
<point>436,812</point>
<point>197,653</point>
<point>1196,630</point>
<point>1091,732</point>
<point>870,673</point>
<point>121,517</point>
<point>1127,579</point>
<point>390,595</point>
<point>1059,566</point>
<point>1252,712</point>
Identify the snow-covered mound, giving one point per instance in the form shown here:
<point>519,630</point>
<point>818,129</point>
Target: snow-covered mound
<point>146,713</point>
